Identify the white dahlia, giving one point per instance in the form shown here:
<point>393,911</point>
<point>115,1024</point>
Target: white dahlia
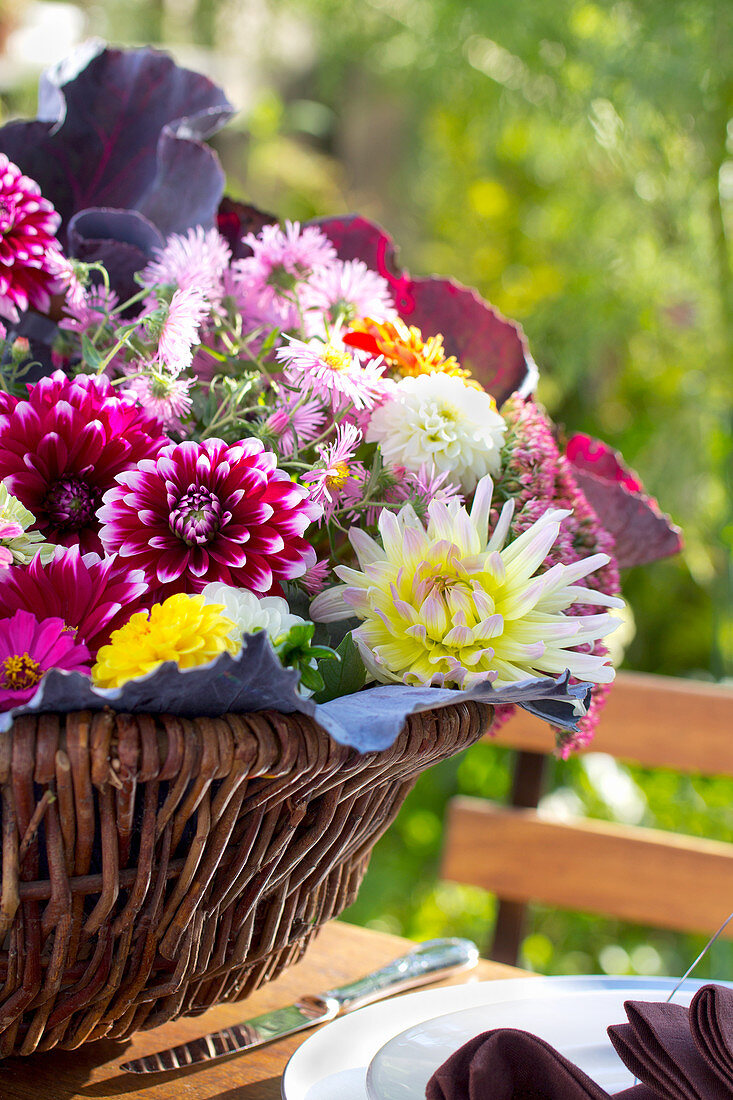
<point>437,420</point>
<point>451,607</point>
<point>251,613</point>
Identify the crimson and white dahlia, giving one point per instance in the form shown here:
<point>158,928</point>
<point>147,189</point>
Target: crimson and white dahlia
<point>210,511</point>
<point>62,448</point>
<point>28,225</point>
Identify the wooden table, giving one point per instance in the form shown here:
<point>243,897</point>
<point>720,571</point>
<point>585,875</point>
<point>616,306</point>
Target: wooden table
<point>340,954</point>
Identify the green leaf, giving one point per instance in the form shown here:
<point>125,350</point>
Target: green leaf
<point>91,355</point>
<point>344,677</point>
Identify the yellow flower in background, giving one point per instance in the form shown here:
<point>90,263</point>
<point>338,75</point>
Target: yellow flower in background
<point>452,607</point>
<point>184,629</point>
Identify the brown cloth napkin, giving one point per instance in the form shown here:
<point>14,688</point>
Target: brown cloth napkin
<point>711,1025</point>
<point>682,1054</point>
<point>507,1064</point>
<point>675,1052</point>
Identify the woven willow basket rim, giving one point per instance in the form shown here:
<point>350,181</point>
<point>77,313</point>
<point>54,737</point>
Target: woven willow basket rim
<point>155,865</point>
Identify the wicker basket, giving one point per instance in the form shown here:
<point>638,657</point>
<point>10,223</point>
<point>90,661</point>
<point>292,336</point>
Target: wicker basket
<point>152,867</point>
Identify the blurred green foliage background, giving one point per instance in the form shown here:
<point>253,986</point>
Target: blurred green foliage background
<point>574,162</point>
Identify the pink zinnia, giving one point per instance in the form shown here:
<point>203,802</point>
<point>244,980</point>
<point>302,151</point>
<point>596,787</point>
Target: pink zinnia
<point>342,291</point>
<point>330,372</point>
<point>198,259</point>
<point>210,511</point>
<point>93,595</point>
<point>28,225</point>
<point>180,329</point>
<point>63,447</point>
<point>293,422</point>
<point>30,647</point>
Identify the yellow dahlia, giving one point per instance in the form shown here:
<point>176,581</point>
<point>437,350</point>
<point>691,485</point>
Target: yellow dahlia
<point>404,348</point>
<point>184,629</point>
<point>451,606</point>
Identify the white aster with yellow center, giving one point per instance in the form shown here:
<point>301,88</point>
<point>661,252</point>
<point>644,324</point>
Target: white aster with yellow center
<point>451,606</point>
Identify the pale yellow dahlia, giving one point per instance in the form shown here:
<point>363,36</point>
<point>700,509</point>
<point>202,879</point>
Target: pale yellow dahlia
<point>184,629</point>
<point>449,606</point>
<point>18,545</point>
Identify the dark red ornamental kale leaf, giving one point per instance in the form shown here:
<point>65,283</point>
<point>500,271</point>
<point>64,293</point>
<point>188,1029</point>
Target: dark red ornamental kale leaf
<point>119,149</point>
<point>62,448</point>
<point>492,348</point>
<point>642,533</point>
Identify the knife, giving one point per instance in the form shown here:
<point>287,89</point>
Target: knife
<point>429,962</point>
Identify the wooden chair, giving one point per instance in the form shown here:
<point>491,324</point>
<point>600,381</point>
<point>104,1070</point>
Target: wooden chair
<point>636,874</point>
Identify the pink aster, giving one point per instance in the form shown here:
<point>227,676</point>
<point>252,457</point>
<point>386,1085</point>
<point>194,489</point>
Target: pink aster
<point>62,448</point>
<point>210,511</point>
<point>282,259</point>
<point>314,580</point>
<point>343,290</point>
<point>198,259</point>
<point>87,307</point>
<point>418,488</point>
<point>180,329</point>
<point>30,647</point>
<point>329,481</point>
<point>28,225</point>
<point>294,420</point>
<point>330,372</point>
<point>161,394</point>
<point>93,595</point>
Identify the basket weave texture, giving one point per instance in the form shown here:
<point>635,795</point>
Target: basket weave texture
<point>154,866</point>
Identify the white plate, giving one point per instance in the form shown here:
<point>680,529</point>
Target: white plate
<point>571,1013</point>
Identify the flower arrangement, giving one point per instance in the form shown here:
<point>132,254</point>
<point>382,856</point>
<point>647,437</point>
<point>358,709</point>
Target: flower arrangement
<point>251,464</point>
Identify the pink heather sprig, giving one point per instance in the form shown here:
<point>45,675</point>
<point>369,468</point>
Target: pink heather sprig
<point>536,476</point>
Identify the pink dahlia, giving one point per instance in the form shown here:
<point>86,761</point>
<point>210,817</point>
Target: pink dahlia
<point>28,225</point>
<point>93,595</point>
<point>210,511</point>
<point>30,647</point>
<point>62,448</point>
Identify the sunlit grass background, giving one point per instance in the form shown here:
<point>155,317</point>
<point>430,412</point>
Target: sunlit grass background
<point>573,162</point>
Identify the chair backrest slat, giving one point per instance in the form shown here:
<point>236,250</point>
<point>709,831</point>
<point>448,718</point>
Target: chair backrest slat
<point>641,875</point>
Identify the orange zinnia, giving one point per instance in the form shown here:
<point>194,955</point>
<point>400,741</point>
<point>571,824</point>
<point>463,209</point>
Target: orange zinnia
<point>403,347</point>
